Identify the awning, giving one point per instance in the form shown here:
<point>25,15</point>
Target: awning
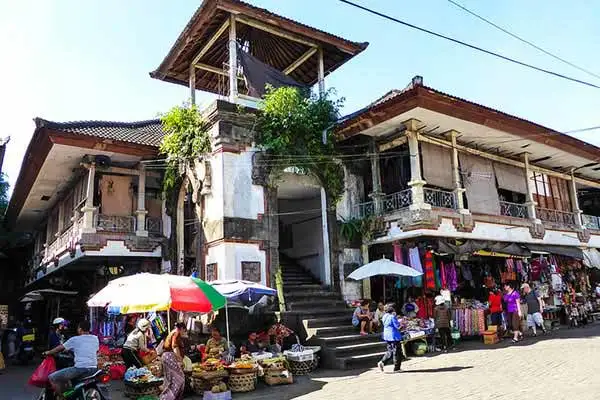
<point>500,249</point>
<point>591,258</point>
<point>568,251</point>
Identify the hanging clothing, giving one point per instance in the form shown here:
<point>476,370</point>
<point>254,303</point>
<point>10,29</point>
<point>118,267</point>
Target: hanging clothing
<point>436,271</point>
<point>415,263</point>
<point>429,272</point>
<point>443,274</point>
<point>398,257</point>
<point>466,272</point>
<point>451,277</point>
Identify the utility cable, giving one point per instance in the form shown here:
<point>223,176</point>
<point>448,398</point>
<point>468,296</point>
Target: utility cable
<point>471,46</point>
<point>522,40</point>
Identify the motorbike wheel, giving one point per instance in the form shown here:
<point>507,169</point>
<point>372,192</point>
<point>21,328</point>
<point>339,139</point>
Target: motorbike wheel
<point>92,394</point>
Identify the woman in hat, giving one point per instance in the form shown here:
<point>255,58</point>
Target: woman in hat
<point>136,343</point>
<point>442,317</point>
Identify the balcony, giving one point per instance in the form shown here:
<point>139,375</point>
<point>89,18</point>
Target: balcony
<point>154,225</point>
<point>388,204</point>
<point>591,221</point>
<point>514,210</point>
<point>440,198</point>
<point>556,217</point>
<point>113,223</point>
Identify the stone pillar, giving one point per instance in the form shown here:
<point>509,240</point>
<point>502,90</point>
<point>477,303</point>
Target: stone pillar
<point>366,283</point>
<point>141,204</point>
<point>416,183</point>
<point>193,84</point>
<point>233,89</point>
<point>377,194</point>
<point>456,181</point>
<point>88,209</point>
<point>326,243</point>
<point>575,201</point>
<point>530,201</point>
<point>321,72</point>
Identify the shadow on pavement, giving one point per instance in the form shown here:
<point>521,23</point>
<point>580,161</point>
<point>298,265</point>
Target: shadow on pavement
<point>445,369</point>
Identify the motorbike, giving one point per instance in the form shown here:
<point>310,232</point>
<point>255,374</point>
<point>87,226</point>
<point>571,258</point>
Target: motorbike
<point>25,352</point>
<point>91,387</point>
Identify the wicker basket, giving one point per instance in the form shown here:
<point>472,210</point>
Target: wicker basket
<point>274,378</point>
<point>304,367</point>
<point>135,391</point>
<point>242,382</point>
<point>201,385</point>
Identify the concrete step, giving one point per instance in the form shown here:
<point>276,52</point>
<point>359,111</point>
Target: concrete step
<point>347,340</point>
<point>320,303</point>
<point>317,313</point>
<point>291,287</point>
<point>358,349</point>
<point>300,278</point>
<point>360,361</point>
<point>298,295</point>
<point>332,331</point>
<point>330,321</point>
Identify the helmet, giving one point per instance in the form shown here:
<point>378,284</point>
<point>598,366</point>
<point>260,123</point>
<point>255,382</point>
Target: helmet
<point>58,321</point>
<point>143,324</point>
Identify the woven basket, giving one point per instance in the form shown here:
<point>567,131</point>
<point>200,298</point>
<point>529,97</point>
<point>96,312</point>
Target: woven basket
<point>303,367</point>
<point>242,383</point>
<point>200,385</point>
<point>272,379</point>
<point>136,391</point>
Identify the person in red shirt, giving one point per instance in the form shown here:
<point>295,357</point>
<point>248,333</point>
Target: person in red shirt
<point>495,301</point>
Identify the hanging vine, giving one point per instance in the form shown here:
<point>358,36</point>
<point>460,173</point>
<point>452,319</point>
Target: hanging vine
<point>290,129</point>
<point>187,138</point>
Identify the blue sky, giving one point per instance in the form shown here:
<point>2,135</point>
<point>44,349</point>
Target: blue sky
<point>67,60</point>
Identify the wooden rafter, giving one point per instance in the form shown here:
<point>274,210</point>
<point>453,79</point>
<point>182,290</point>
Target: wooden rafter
<point>275,31</point>
<point>212,69</point>
<point>211,42</point>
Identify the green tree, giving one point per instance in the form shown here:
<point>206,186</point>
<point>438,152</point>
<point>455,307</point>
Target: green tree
<point>290,128</point>
<point>4,187</point>
<point>186,138</point>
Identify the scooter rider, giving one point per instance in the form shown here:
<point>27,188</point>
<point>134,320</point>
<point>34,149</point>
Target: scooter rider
<point>85,348</point>
<point>56,336</point>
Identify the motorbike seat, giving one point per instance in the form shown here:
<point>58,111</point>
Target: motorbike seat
<point>87,377</point>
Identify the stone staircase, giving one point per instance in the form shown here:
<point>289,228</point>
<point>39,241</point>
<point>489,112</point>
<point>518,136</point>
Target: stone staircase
<point>322,318</point>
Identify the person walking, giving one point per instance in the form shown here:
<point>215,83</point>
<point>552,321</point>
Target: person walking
<point>392,336</point>
<point>535,307</point>
<point>513,311</point>
<point>495,303</point>
<point>442,317</point>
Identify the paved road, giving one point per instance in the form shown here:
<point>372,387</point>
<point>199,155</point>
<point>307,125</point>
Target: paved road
<point>560,367</point>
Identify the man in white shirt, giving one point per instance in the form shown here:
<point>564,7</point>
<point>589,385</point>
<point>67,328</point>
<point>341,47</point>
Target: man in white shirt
<point>85,348</point>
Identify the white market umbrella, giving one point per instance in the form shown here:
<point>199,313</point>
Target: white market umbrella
<point>383,267</point>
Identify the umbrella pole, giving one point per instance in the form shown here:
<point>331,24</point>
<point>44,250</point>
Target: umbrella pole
<point>169,320</point>
<point>384,289</point>
<point>227,322</point>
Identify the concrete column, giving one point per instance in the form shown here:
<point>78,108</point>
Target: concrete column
<point>321,72</point>
<point>180,228</point>
<point>326,245</point>
<point>377,194</point>
<point>233,90</point>
<point>456,181</point>
<point>141,204</point>
<point>416,183</point>
<point>88,209</point>
<point>193,84</point>
<point>530,201</point>
<point>366,283</point>
<point>574,200</point>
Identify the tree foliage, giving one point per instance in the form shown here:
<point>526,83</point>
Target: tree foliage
<point>290,128</point>
<point>4,187</point>
<point>186,138</point>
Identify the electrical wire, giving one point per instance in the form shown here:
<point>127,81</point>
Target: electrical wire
<point>473,13</point>
<point>471,46</point>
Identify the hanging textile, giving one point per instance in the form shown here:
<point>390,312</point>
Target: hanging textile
<point>480,184</point>
<point>436,269</point>
<point>429,272</point>
<point>443,274</point>
<point>510,178</point>
<point>398,254</point>
<point>415,263</point>
<point>451,277</point>
<point>470,321</point>
<point>258,75</point>
<point>433,157</point>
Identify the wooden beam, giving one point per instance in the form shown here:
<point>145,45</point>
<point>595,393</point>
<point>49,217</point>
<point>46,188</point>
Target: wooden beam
<point>210,68</point>
<point>275,31</point>
<point>193,84</point>
<point>300,61</point>
<point>233,61</point>
<point>392,143</point>
<point>321,72</point>
<point>211,42</point>
<point>519,164</point>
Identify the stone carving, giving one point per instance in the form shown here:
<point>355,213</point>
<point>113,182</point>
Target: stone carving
<point>537,231</point>
<point>584,235</point>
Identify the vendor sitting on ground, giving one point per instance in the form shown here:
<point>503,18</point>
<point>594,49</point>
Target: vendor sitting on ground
<point>217,344</point>
<point>363,318</point>
<point>252,345</point>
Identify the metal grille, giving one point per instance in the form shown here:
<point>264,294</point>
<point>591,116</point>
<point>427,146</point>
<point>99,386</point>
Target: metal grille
<point>112,223</point>
<point>591,221</point>
<point>440,198</point>
<point>555,216</point>
<point>513,209</point>
<point>154,225</point>
<point>397,201</point>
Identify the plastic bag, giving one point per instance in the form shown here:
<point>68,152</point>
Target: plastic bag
<point>116,372</point>
<point>39,378</point>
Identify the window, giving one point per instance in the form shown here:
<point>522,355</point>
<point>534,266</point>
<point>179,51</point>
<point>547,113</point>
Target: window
<point>551,192</point>
<point>251,271</point>
<point>211,272</point>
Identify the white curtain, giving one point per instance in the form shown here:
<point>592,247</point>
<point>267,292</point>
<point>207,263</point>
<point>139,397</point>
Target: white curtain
<point>479,182</point>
